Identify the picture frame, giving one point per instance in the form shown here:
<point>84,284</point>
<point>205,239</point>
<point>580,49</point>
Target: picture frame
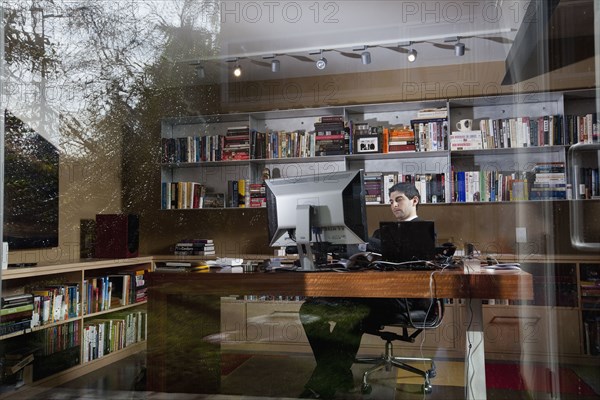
<point>367,144</point>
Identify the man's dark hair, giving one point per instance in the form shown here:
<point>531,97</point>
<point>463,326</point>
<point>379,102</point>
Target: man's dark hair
<point>407,188</point>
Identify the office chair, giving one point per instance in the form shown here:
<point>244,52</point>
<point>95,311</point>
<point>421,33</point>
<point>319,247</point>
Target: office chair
<point>417,320</point>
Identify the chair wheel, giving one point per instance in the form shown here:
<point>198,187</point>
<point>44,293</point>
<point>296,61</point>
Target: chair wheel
<point>427,388</point>
<point>366,389</point>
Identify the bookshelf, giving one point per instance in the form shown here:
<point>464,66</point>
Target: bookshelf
<point>518,133</point>
<point>81,330</point>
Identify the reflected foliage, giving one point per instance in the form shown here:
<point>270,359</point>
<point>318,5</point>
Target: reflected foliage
<point>94,77</point>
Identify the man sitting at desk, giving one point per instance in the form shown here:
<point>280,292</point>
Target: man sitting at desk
<point>334,326</point>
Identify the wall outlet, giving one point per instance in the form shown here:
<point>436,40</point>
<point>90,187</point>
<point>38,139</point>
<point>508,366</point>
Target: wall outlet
<point>521,234</point>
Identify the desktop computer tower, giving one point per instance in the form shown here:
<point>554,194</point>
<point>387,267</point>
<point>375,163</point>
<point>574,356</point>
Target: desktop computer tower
<point>117,236</point>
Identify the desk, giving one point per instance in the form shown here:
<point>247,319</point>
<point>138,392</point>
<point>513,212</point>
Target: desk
<point>167,342</point>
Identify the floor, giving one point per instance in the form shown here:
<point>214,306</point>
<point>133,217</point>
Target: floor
<point>282,377</point>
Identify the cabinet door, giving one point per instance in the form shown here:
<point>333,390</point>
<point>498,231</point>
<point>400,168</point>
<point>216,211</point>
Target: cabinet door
<point>274,322</point>
<point>529,330</point>
<point>233,320</point>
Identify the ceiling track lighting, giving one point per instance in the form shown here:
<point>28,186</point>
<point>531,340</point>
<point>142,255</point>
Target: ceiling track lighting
<point>275,66</point>
<point>237,71</point>
<point>321,63</point>
<point>459,49</point>
<point>412,55</point>
<point>365,57</point>
<point>200,72</point>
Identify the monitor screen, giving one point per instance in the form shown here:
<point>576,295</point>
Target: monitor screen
<point>337,214</point>
<point>30,187</point>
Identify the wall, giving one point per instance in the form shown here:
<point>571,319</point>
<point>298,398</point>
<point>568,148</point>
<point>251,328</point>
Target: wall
<point>491,226</point>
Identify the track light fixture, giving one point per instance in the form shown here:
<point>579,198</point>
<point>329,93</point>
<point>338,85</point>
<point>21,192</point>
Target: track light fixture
<point>365,57</point>
<point>200,72</point>
<point>275,66</point>
<point>459,49</point>
<point>237,72</point>
<point>412,55</point>
<point>321,63</point>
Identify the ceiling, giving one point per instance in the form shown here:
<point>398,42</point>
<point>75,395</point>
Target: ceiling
<point>292,30</point>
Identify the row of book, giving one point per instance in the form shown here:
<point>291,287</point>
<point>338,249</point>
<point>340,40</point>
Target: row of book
<point>547,130</point>
<point>182,195</point>
<point>193,195</point>
<point>431,187</point>
<point>110,291</point>
<point>545,181</point>
<point>117,331</point>
<point>241,193</point>
<point>589,182</point>
<point>40,306</point>
<point>195,247</point>
<point>428,132</point>
<point>58,338</point>
<point>53,303</point>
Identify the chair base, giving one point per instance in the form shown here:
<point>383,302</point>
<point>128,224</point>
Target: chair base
<point>388,360</point>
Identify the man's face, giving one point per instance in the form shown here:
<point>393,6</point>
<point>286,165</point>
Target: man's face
<point>403,207</point>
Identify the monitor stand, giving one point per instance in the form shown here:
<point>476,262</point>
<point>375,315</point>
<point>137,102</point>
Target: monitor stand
<point>306,258</point>
<point>304,225</point>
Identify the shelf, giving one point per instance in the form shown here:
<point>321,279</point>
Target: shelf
<point>63,365</point>
<point>505,151</point>
<point>112,310</point>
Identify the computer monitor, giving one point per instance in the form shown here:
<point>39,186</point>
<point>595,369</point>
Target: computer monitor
<point>317,209</point>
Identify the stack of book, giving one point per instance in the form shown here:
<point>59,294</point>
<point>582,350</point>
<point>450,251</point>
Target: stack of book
<point>331,137</point>
<point>16,313</point>
<point>466,140</point>
<point>549,181</point>
<point>195,247</point>
<point>373,187</point>
<point>397,139</point>
<point>236,144</point>
<point>258,195</point>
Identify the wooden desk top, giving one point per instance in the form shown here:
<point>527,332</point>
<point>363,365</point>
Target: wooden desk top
<point>447,284</point>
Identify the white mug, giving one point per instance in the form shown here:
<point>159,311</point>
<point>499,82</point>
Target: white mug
<point>464,125</point>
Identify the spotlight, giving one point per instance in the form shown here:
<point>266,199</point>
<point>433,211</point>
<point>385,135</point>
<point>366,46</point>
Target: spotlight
<point>365,57</point>
<point>321,63</point>
<point>412,55</point>
<point>459,49</point>
<point>275,66</point>
<point>237,72</point>
<point>200,72</point>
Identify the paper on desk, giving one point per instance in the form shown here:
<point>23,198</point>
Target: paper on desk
<point>236,269</point>
<point>226,262</point>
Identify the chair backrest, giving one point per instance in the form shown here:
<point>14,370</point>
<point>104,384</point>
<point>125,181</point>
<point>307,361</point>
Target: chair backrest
<point>425,314</point>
